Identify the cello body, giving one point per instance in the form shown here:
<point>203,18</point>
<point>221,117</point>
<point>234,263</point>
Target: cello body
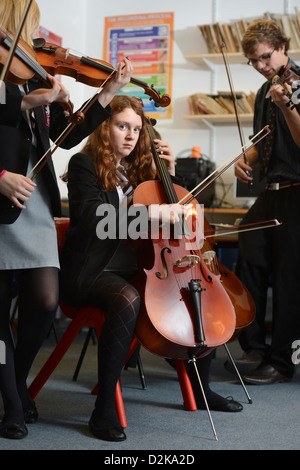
<point>169,324</point>
<point>240,297</point>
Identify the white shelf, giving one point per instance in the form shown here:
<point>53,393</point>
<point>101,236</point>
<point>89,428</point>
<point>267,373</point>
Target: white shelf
<point>232,57</point>
<point>220,119</point>
<point>217,59</point>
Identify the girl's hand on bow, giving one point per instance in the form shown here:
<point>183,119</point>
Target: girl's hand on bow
<point>17,188</point>
<point>120,79</point>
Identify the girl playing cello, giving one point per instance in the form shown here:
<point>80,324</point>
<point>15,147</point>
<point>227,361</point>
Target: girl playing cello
<point>116,158</point>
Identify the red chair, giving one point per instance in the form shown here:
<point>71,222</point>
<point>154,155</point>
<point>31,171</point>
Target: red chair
<point>87,316</point>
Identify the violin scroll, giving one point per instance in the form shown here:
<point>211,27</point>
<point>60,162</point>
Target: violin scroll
<point>162,101</point>
<point>288,75</point>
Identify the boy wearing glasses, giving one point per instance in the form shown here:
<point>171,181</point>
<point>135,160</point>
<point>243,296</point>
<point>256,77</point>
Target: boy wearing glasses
<point>271,257</point>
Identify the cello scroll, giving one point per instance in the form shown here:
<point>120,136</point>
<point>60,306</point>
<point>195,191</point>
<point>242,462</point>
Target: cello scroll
<point>289,76</point>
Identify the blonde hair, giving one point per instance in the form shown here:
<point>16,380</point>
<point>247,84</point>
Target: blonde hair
<point>11,12</point>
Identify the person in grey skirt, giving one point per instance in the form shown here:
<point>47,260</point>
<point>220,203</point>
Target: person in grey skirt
<point>29,115</point>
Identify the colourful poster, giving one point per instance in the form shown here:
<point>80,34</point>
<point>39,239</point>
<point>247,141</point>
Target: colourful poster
<point>147,40</point>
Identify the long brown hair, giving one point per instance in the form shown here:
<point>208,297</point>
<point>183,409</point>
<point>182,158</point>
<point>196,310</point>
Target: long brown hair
<point>138,164</point>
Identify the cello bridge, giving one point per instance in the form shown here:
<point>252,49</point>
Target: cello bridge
<point>188,260</point>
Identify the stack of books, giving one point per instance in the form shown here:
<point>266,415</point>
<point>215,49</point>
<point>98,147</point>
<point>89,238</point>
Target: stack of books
<point>217,35</point>
<point>221,103</point>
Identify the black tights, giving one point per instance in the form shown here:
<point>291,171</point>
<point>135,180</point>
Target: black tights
<point>121,302</point>
<point>37,304</point>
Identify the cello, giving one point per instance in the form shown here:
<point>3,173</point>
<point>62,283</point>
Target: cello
<point>241,299</point>
<point>186,311</point>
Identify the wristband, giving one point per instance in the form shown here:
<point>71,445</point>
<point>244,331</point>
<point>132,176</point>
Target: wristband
<point>2,173</point>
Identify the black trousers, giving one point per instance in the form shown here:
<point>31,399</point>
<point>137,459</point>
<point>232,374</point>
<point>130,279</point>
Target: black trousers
<point>272,256</point>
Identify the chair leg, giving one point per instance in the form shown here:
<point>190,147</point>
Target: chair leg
<point>185,385</point>
<point>120,406</point>
<point>13,313</point>
<point>56,356</point>
<point>141,372</point>
<point>82,354</point>
<point>53,327</point>
<point>135,360</point>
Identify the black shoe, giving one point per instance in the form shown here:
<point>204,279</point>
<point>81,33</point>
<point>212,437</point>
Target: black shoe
<point>227,404</point>
<point>113,434</point>
<point>265,375</point>
<point>13,430</point>
<point>245,364</point>
<point>31,414</point>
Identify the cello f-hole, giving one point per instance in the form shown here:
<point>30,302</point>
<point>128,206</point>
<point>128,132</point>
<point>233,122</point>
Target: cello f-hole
<point>163,260</point>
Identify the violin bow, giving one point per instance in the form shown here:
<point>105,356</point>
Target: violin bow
<point>242,228</point>
<point>233,96</point>
<point>218,171</point>
<point>77,118</point>
<point>6,66</point>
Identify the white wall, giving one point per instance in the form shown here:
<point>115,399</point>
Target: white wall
<point>81,24</point>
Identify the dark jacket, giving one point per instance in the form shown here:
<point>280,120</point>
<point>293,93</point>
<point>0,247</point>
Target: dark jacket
<point>84,256</point>
<point>15,140</point>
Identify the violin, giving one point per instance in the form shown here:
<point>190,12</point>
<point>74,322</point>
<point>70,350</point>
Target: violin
<point>186,311</point>
<point>240,297</point>
<point>24,66</point>
<point>92,72</point>
<point>47,58</point>
<point>288,75</point>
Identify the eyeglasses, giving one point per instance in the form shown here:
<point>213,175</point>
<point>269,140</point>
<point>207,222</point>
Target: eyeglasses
<point>263,58</point>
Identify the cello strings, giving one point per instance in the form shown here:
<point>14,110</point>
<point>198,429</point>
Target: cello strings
<point>176,252</point>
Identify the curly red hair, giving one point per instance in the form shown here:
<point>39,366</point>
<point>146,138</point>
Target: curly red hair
<point>138,164</point>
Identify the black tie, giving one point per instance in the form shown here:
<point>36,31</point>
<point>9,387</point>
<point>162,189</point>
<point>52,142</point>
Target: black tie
<point>268,148</point>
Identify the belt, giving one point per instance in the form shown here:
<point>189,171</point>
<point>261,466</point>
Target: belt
<point>281,185</point>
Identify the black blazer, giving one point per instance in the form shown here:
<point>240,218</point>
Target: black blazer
<point>84,256</point>
<point>15,140</point>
